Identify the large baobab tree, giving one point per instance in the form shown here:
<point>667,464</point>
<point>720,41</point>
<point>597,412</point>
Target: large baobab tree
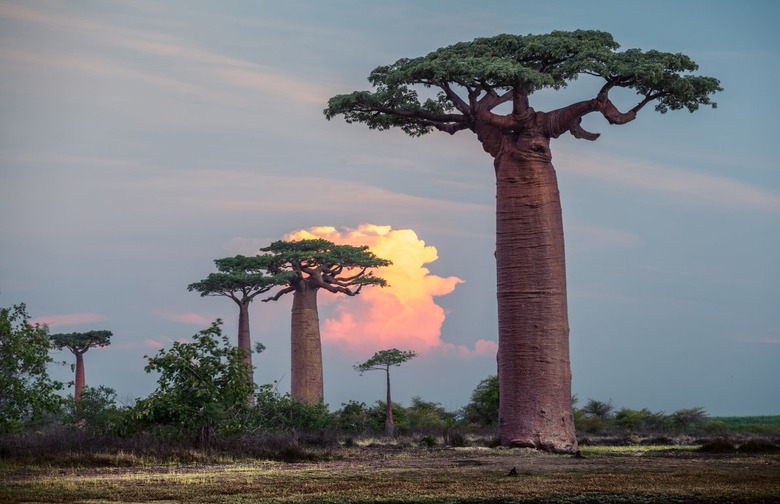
<point>78,343</point>
<point>383,360</point>
<point>485,86</point>
<point>241,279</point>
<point>316,264</point>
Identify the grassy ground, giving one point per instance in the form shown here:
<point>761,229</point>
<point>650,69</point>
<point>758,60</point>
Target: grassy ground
<point>390,474</point>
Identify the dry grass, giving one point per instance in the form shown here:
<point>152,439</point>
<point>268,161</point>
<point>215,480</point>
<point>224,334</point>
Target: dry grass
<point>389,474</point>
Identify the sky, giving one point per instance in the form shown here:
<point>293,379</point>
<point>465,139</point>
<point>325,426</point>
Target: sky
<point>142,139</point>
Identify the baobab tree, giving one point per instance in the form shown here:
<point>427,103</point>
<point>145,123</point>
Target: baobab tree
<point>78,343</point>
<point>472,81</point>
<point>316,264</point>
<point>241,279</point>
<point>383,360</point>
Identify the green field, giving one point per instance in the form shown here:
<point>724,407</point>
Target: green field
<point>766,425</point>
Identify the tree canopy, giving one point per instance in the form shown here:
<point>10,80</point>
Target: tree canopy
<point>203,385</point>
<point>28,393</point>
<point>473,78</point>
<point>344,269</point>
<point>80,342</point>
<point>240,278</point>
<point>384,360</point>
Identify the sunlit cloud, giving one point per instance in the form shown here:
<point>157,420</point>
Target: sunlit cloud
<point>69,319</point>
<point>403,315</point>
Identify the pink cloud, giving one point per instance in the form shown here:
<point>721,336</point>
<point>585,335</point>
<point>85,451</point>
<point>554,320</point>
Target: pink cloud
<point>187,318</point>
<point>404,314</point>
<point>69,319</point>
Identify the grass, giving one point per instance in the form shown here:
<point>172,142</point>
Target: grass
<point>769,424</point>
<point>384,473</point>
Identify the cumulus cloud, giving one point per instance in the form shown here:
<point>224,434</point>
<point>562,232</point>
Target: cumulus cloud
<point>404,314</point>
<point>69,319</point>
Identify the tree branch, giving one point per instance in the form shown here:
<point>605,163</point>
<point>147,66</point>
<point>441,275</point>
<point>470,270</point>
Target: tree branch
<point>279,294</point>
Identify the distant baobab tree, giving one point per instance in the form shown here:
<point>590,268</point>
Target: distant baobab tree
<point>383,360</point>
<point>240,279</point>
<point>314,265</point>
<point>78,343</point>
<point>485,86</point>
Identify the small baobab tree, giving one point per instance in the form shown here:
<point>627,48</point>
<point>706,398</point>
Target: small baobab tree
<point>240,279</point>
<point>383,360</point>
<point>78,343</point>
<point>314,265</point>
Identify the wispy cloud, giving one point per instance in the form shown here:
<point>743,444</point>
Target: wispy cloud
<point>190,318</point>
<point>69,319</point>
<point>198,72</point>
<point>583,238</point>
<point>686,185</point>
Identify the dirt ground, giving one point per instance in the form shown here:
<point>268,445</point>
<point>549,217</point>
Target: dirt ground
<point>450,475</point>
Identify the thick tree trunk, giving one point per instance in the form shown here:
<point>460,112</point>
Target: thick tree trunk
<point>533,350</point>
<point>306,371</point>
<point>244,338</point>
<point>80,380</point>
<point>389,427</point>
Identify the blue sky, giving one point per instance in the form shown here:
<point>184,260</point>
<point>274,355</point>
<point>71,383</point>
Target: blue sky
<point>140,140</point>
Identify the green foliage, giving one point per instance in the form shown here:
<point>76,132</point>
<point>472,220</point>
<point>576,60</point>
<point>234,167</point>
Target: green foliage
<point>240,278</point>
<point>352,417</point>
<point>325,261</point>
<point>281,413</point>
<point>689,419</point>
<point>203,386</point>
<point>769,424</point>
<point>97,412</point>
<point>496,68</point>
<point>482,409</point>
<point>383,360</point>
<point>80,342</point>
<point>429,417</point>
<point>377,415</point>
<point>599,409</point>
<point>28,393</point>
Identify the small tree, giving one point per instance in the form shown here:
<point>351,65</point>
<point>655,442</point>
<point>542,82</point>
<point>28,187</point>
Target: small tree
<point>241,279</point>
<point>78,343</point>
<point>27,393</point>
<point>689,419</point>
<point>383,361</point>
<point>312,265</point>
<point>203,386</point>
<point>482,410</point>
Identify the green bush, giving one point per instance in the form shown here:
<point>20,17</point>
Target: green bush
<point>427,417</point>
<point>482,410</point>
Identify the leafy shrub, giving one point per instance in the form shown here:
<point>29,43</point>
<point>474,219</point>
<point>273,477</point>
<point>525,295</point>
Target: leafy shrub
<point>27,393</point>
<point>352,417</point>
<point>429,417</point>
<point>97,412</point>
<point>482,410</point>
